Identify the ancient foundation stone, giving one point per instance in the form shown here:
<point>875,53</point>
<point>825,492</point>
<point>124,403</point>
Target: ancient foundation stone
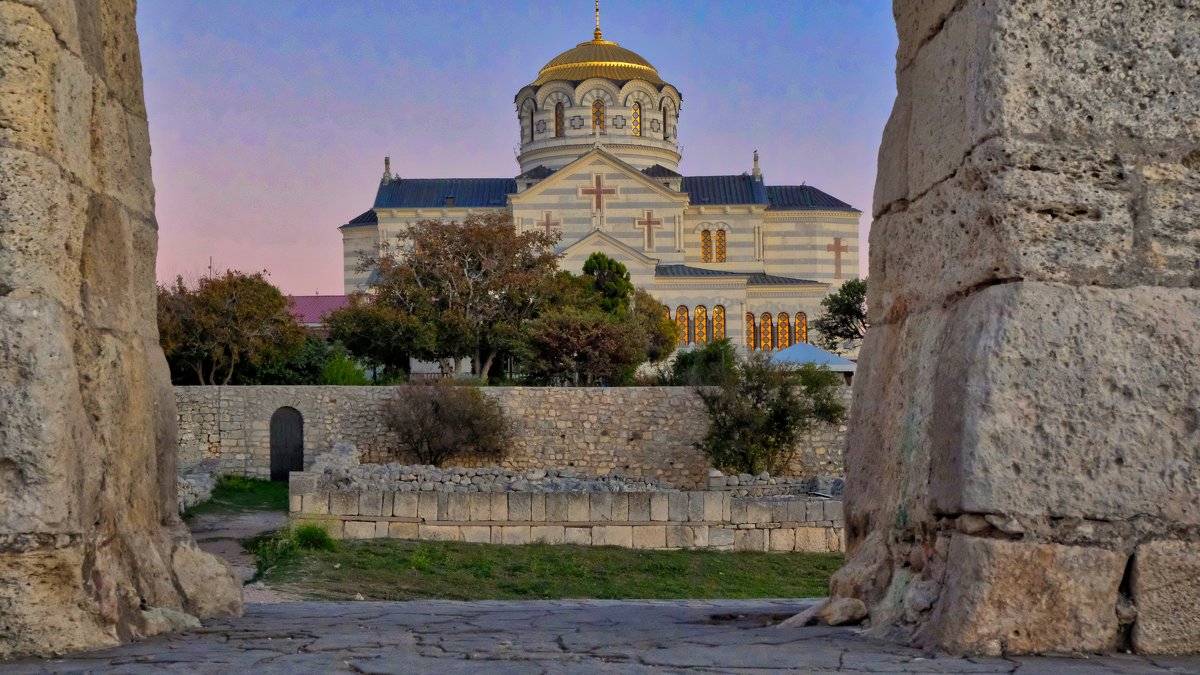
<point>1021,449</point>
<point>92,551</point>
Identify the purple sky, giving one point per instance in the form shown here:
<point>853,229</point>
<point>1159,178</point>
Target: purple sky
<point>269,120</point>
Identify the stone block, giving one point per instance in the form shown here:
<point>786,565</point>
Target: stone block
<point>639,507</point>
<point>514,534</point>
<point>811,539</point>
<point>620,507</point>
<point>581,536</point>
<point>778,511</point>
<point>557,507</point>
<point>427,507</point>
<point>649,536</point>
<point>499,505</point>
<point>659,510</point>
<point>781,539</point>
<point>833,511</point>
<point>612,535</point>
<point>370,503</point>
<point>578,507</point>
<point>343,503</point>
<point>600,507</point>
<point>713,508</point>
<point>301,483</point>
<point>295,503</point>
<point>458,507</point>
<point>699,534</point>
<point>816,511</point>
<point>381,529</point>
<point>695,506</point>
<point>721,537</point>
<point>1166,592</point>
<point>476,534</point>
<point>439,532</point>
<point>360,529</point>
<point>749,540</point>
<point>403,530</point>
<point>677,536</point>
<point>404,504</point>
<point>677,507</point>
<point>443,506</point>
<point>547,534</point>
<point>537,507</point>
<point>797,511</point>
<point>1020,597</point>
<point>479,505</point>
<point>520,507</point>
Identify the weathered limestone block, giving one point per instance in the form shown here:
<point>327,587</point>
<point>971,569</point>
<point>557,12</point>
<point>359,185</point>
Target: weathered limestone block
<point>91,548</point>
<point>1166,592</point>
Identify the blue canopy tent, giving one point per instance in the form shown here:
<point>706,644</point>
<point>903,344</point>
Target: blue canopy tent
<point>806,353</point>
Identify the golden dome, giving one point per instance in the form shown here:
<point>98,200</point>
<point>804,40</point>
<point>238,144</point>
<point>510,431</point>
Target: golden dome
<point>598,58</point>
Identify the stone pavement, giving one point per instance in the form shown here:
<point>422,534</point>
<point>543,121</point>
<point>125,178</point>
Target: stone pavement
<point>570,636</point>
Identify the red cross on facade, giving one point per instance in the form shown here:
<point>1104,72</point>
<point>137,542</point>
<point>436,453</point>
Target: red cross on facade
<point>547,223</point>
<point>837,248</point>
<point>598,193</point>
<point>650,223</point>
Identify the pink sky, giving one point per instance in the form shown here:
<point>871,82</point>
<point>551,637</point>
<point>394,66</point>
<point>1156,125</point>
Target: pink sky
<point>269,121</point>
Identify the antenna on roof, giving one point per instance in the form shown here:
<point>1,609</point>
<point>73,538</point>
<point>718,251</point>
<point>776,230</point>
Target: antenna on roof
<point>597,33</point>
<point>387,171</point>
<point>757,171</point>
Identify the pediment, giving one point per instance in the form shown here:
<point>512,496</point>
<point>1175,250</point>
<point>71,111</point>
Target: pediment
<point>610,246</point>
<point>589,161</point>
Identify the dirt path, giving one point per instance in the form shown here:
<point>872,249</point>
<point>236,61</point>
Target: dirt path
<point>221,535</point>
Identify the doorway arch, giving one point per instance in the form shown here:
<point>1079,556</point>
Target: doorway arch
<point>287,443</point>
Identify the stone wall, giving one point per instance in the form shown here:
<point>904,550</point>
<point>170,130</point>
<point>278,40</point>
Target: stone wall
<point>1022,461</point>
<point>707,519</point>
<point>91,549</point>
<point>641,431</point>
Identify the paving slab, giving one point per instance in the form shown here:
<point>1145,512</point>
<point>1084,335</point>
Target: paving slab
<point>566,636</point>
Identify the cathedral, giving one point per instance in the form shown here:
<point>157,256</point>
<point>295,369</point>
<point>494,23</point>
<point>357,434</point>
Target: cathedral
<point>729,255</point>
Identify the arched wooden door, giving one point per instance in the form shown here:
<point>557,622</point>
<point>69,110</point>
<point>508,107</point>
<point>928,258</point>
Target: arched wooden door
<point>287,443</point>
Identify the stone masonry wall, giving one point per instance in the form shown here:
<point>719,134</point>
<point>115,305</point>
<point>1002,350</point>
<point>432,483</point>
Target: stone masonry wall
<point>711,519</point>
<point>640,431</point>
<point>1022,454</point>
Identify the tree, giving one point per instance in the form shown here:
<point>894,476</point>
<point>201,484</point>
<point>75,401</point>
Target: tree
<point>714,364</point>
<point>226,324</point>
<point>435,423</point>
<point>472,284</point>
<point>843,323</point>
<point>757,418</point>
<point>302,365</point>
<point>610,279</point>
<point>379,335</point>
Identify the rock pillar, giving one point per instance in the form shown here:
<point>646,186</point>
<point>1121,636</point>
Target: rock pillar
<point>1023,456</point>
<point>91,549</point>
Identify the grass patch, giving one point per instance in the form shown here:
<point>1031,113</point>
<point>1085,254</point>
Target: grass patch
<point>409,570</point>
<point>238,494</point>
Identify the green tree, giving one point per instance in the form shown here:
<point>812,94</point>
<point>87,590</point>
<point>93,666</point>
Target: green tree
<point>227,324</point>
<point>713,364</point>
<point>379,335</point>
<point>843,322</point>
<point>299,366</point>
<point>610,279</point>
<point>757,418</point>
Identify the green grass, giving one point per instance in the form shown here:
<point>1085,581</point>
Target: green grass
<point>408,570</point>
<point>238,494</point>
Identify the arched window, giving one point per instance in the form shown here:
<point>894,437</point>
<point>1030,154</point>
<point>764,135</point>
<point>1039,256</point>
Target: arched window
<point>784,326</point>
<point>720,245</point>
<point>637,119</point>
<point>719,322</point>
<point>801,327</point>
<point>560,126</point>
<point>681,320</point>
<point>598,115</point>
<point>766,332</point>
<point>751,334</point>
<point>701,324</point>
<point>706,246</point>
<point>531,125</point>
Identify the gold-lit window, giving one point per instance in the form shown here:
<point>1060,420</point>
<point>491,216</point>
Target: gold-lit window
<point>720,245</point>
<point>801,327</point>
<point>766,332</point>
<point>718,322</point>
<point>560,125</point>
<point>681,320</point>
<point>598,114</point>
<point>751,338</point>
<point>784,326</point>
<point>701,324</point>
<point>706,246</point>
<point>637,119</point>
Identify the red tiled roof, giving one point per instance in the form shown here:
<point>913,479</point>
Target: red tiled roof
<point>312,309</point>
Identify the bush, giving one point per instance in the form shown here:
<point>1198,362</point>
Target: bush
<point>757,418</point>
<point>310,537</point>
<point>714,364</point>
<point>437,422</point>
<point>270,550</point>
<point>343,371</point>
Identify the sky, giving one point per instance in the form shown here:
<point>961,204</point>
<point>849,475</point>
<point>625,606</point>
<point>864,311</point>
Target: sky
<point>269,120</point>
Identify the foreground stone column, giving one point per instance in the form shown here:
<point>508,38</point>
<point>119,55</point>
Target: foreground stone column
<point>1023,454</point>
<point>91,548</point>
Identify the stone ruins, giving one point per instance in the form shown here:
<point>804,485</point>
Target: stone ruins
<point>92,551</point>
<point>1022,460</point>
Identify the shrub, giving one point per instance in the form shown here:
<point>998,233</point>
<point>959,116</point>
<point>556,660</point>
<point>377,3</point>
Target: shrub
<point>311,537</point>
<point>757,418</point>
<point>271,549</point>
<point>343,371</point>
<point>714,364</point>
<point>437,422</point>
